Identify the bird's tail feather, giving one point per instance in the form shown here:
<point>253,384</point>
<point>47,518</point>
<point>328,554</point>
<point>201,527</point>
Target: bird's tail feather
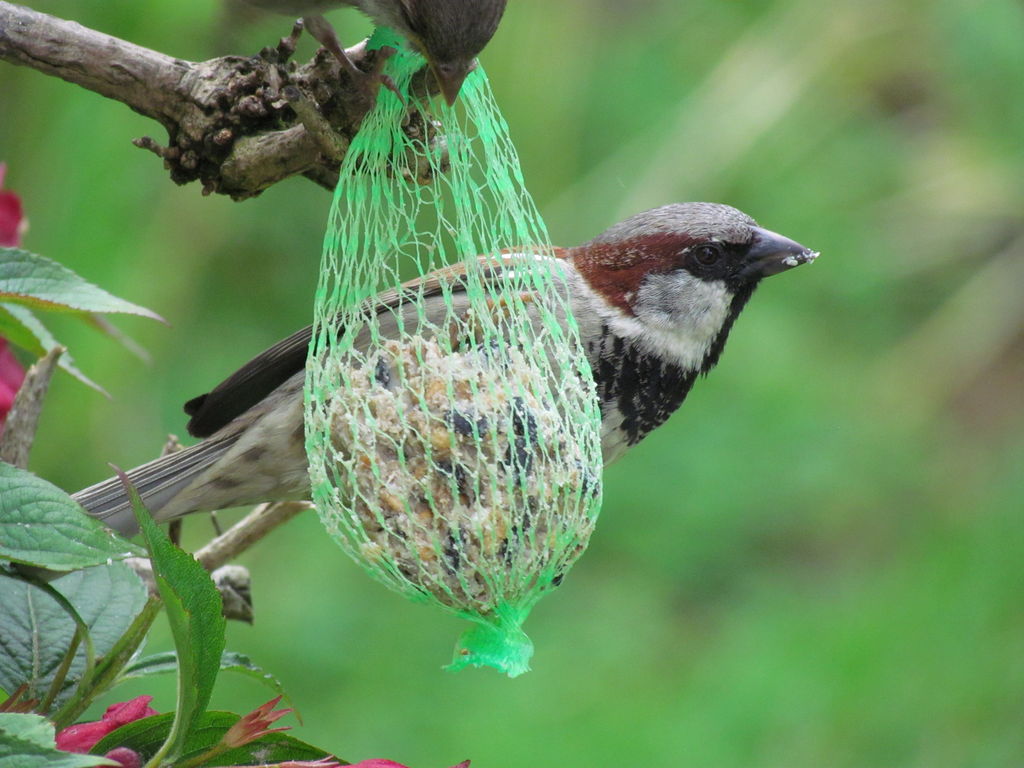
<point>158,483</point>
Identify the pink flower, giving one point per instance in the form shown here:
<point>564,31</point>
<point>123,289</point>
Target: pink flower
<point>255,725</point>
<point>128,758</point>
<point>11,376</point>
<point>330,762</point>
<point>84,736</point>
<point>380,763</point>
<point>324,762</point>
<point>12,218</point>
<point>12,226</point>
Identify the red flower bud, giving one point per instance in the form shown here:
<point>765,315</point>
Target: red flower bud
<point>128,758</point>
<point>11,376</point>
<point>255,724</point>
<point>12,218</point>
<point>378,762</point>
<point>84,736</point>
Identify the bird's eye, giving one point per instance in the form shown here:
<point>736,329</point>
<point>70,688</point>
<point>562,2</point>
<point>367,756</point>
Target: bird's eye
<point>707,254</point>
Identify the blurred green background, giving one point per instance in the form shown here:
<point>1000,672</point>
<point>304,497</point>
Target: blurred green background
<point>819,561</point>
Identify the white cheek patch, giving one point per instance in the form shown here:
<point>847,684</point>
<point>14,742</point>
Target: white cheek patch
<point>677,317</point>
<point>681,315</point>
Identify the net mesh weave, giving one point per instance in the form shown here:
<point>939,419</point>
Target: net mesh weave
<point>451,426</point>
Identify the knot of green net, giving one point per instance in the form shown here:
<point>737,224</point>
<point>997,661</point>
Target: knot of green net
<point>498,642</point>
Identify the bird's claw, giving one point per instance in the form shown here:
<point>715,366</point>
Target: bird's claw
<point>371,80</point>
<point>383,54</point>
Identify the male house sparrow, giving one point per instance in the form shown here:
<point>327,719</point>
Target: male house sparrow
<point>655,297</point>
<point>449,33</point>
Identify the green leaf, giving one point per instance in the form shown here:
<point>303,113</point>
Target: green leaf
<point>197,624</point>
<point>146,737</point>
<point>104,326</point>
<point>35,729</point>
<point>36,338</point>
<point>37,630</point>
<point>41,525</point>
<point>165,663</point>
<point>106,673</point>
<point>36,281</point>
<point>157,664</point>
<point>27,741</point>
<point>12,329</point>
<point>81,638</point>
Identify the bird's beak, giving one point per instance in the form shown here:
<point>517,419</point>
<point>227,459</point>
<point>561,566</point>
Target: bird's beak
<point>771,253</point>
<point>450,77</point>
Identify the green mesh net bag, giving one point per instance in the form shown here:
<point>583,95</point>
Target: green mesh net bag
<point>451,422</point>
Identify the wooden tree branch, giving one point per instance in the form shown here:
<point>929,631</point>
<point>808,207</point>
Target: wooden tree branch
<point>262,520</point>
<point>229,123</point>
<point>22,420</point>
<point>113,68</point>
<point>233,581</point>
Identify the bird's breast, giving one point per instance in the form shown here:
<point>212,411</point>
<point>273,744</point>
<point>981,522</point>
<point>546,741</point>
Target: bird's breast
<point>637,390</point>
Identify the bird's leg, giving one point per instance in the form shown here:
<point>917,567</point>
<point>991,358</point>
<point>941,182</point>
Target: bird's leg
<point>384,53</point>
<point>322,31</point>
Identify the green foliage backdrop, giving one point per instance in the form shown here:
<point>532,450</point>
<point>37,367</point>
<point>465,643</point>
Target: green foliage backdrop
<point>817,562</point>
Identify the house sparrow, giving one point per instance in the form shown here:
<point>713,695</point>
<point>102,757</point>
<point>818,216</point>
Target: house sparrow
<point>449,33</point>
<point>655,297</point>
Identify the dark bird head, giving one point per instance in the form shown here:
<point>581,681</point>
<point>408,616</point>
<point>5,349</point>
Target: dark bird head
<point>674,278</point>
<point>450,34</point>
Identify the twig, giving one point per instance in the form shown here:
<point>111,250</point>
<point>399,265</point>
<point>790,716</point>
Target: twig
<point>235,587</point>
<point>247,531</point>
<point>227,125</point>
<point>233,581</point>
<point>23,418</point>
<point>328,142</point>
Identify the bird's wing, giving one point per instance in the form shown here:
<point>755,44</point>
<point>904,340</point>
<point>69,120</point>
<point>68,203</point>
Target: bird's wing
<point>248,385</point>
<point>157,482</point>
<point>271,368</point>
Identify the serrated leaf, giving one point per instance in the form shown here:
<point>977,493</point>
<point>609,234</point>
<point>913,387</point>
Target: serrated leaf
<point>35,729</point>
<point>107,668</point>
<point>230,661</point>
<point>37,630</point>
<point>41,525</point>
<point>272,748</point>
<point>147,736</point>
<point>194,611</point>
<point>104,326</point>
<point>27,741</point>
<point>36,281</point>
<point>156,664</point>
<point>12,329</point>
<point>42,341</point>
